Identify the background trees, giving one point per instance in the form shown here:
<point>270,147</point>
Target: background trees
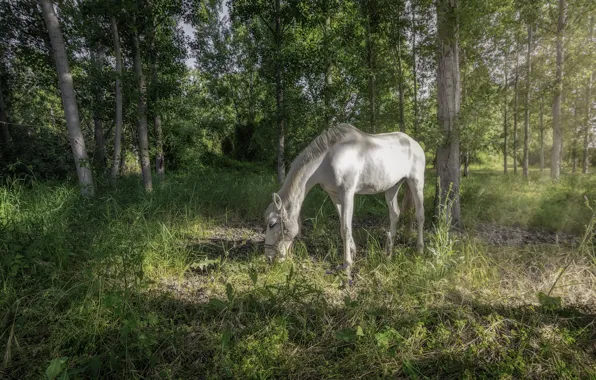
<point>274,74</point>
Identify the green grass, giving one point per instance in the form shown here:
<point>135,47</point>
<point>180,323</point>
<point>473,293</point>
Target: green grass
<point>173,284</point>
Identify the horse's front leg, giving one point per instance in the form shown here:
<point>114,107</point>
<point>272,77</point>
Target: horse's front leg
<point>347,209</point>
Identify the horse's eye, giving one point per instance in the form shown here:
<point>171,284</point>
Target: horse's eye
<point>272,223</point>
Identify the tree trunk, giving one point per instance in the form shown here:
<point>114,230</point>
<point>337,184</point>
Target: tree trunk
<point>159,156</point>
<point>281,166</point>
<point>448,97</point>
<point>69,101</point>
<point>542,133</point>
<point>466,163</point>
<point>516,109</point>
<point>371,74</point>
<point>505,126</point>
<point>328,67</point>
<point>555,165</point>
<point>414,71</point>
<point>4,121</point>
<point>526,162</point>
<point>118,132</point>
<point>574,139</point>
<point>99,157</point>
<point>587,129</point>
<point>402,123</point>
<point>143,136</point>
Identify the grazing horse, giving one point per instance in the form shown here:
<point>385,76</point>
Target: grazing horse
<point>345,161</point>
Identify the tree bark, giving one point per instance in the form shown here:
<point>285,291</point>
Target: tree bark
<point>526,162</point>
<point>69,101</point>
<point>118,131</point>
<point>414,70</point>
<point>448,107</point>
<point>328,67</point>
<point>371,71</point>
<point>516,109</point>
<point>281,166</point>
<point>402,123</point>
<point>143,136</point>
<point>99,157</point>
<point>542,133</point>
<point>555,165</point>
<point>159,155</point>
<point>587,129</point>
<point>505,126</point>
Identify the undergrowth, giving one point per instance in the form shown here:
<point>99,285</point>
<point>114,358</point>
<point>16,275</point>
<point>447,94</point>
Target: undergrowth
<point>173,284</point>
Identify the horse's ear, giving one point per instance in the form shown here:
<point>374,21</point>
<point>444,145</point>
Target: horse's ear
<point>277,201</point>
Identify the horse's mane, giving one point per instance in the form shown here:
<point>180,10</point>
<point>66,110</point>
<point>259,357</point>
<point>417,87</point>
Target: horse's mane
<point>316,148</point>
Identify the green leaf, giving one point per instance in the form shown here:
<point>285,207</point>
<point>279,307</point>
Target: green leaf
<point>254,276</point>
<point>359,331</point>
<point>225,338</point>
<point>229,292</point>
<point>56,366</point>
<point>203,264</point>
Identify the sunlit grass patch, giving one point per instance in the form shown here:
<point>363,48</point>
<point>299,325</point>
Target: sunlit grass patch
<point>174,284</point>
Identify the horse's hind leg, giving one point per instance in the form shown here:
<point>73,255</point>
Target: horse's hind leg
<point>347,208</point>
<point>417,187</point>
<point>393,205</point>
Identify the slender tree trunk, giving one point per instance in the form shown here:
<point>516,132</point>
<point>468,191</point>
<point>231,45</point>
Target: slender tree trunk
<point>371,73</point>
<point>4,121</point>
<point>466,163</point>
<point>542,133</point>
<point>281,166</point>
<point>414,70</point>
<point>587,128</point>
<point>100,157</point>
<point>159,156</point>
<point>69,101</point>
<point>555,165</point>
<point>143,136</point>
<point>448,97</point>
<point>516,109</point>
<point>328,66</point>
<point>526,162</point>
<point>402,123</point>
<point>118,132</point>
<point>505,126</point>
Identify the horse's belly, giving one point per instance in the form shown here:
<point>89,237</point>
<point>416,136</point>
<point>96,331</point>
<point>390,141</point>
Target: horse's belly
<point>380,173</point>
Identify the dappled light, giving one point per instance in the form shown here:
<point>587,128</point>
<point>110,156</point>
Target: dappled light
<point>355,189</point>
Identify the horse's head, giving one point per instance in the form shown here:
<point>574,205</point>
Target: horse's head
<point>280,230</point>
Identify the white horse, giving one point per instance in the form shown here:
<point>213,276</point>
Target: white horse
<point>346,161</point>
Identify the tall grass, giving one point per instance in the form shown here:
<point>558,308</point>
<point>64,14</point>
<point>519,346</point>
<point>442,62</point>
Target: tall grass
<point>173,284</point>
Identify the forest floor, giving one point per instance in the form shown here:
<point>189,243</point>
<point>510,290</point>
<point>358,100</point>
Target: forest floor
<point>174,284</point>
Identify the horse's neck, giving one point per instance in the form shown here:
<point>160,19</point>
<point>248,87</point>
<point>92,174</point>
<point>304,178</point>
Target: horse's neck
<point>296,186</point>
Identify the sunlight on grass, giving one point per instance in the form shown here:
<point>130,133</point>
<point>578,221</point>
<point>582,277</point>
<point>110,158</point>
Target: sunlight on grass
<point>175,284</point>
